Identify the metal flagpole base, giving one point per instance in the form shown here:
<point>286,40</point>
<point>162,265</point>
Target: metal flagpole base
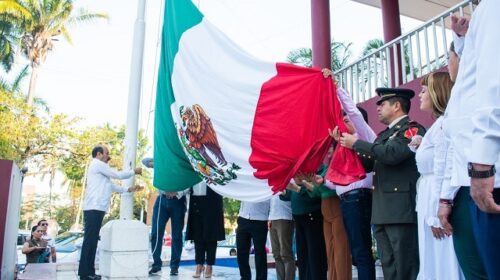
<point>124,250</point>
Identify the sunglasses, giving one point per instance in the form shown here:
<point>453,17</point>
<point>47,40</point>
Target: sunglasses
<point>44,224</point>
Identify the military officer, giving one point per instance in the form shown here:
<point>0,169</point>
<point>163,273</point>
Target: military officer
<point>394,177</point>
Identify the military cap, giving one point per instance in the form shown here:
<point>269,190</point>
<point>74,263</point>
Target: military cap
<point>388,93</point>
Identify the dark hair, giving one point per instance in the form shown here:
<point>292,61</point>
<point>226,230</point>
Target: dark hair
<point>405,103</point>
<point>364,113</point>
<point>33,229</point>
<point>40,222</point>
<point>97,149</point>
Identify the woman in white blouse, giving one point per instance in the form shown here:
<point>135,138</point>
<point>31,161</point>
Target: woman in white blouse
<point>437,255</point>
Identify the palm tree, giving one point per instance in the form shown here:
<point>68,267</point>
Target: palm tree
<point>340,54</point>
<point>43,23</point>
<point>14,86</point>
<point>12,14</point>
<point>371,46</point>
<point>375,44</point>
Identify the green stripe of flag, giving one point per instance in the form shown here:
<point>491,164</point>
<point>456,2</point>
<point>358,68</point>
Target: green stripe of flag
<point>173,172</point>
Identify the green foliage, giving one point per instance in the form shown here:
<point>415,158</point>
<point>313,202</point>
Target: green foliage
<point>50,143</point>
<point>33,25</point>
<point>375,44</point>
<point>231,209</point>
<point>30,135</point>
<point>65,217</point>
<point>340,54</point>
<point>27,135</point>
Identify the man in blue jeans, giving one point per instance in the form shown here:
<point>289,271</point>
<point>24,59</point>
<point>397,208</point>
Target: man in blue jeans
<point>168,205</point>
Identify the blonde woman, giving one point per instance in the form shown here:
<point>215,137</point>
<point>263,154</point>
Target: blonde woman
<point>437,255</point>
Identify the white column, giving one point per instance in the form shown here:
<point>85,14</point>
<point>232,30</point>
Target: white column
<point>134,98</point>
<point>124,243</point>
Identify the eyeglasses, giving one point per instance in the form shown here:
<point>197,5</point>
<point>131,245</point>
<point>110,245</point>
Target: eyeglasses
<point>44,224</point>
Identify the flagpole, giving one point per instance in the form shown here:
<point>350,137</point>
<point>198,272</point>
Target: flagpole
<point>320,23</point>
<point>134,96</point>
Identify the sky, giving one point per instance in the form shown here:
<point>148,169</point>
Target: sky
<point>90,78</point>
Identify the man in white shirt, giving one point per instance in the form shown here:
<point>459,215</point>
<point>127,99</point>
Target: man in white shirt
<point>252,226</point>
<point>96,203</point>
<point>472,125</point>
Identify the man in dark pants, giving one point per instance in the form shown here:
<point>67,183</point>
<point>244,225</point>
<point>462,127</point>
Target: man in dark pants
<point>168,205</point>
<point>96,203</point>
<point>252,226</point>
<point>394,177</point>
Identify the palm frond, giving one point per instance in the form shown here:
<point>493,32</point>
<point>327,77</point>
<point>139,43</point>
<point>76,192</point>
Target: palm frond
<point>4,85</point>
<point>7,53</point>
<point>301,56</point>
<point>20,77</point>
<point>41,104</point>
<point>65,33</point>
<point>84,15</point>
<point>59,14</point>
<point>372,45</point>
<point>12,7</point>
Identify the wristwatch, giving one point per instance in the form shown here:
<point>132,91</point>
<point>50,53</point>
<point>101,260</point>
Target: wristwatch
<point>480,174</point>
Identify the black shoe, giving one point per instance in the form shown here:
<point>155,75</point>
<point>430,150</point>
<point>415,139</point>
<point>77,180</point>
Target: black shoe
<point>93,277</point>
<point>154,271</point>
<point>174,271</point>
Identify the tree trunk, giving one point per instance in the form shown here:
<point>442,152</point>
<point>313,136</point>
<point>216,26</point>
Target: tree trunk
<point>33,80</point>
<point>82,195</point>
<point>51,185</point>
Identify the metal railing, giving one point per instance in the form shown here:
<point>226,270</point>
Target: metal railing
<point>419,52</point>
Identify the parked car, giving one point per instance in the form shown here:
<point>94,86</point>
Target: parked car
<point>68,246</point>
<point>22,237</point>
<point>226,248</point>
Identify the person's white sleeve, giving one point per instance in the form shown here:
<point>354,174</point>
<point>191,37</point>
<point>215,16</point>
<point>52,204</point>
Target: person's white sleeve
<point>109,172</point>
<point>458,43</point>
<point>364,131</point>
<point>485,148</point>
<point>440,149</point>
<point>116,188</point>
<point>447,190</point>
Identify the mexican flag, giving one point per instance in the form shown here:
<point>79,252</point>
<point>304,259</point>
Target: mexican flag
<point>242,125</point>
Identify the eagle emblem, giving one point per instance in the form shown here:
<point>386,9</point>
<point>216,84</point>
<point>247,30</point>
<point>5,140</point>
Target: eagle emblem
<point>199,139</point>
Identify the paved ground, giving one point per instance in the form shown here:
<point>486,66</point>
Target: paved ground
<point>186,272</point>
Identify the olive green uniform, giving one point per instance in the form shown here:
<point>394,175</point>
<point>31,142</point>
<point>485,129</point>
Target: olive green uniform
<point>393,212</point>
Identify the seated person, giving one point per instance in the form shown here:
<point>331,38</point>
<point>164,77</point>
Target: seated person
<point>35,248</point>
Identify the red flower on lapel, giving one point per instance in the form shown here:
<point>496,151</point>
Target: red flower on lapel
<point>410,132</point>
